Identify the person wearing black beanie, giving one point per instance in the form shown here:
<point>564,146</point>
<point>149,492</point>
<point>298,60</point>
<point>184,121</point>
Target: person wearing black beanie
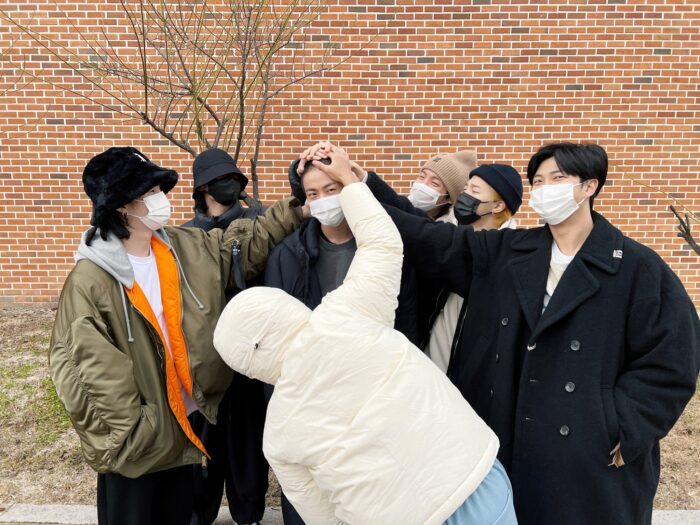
<point>493,195</point>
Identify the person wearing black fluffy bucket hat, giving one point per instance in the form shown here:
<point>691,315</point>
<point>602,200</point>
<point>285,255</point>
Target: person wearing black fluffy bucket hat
<point>131,351</point>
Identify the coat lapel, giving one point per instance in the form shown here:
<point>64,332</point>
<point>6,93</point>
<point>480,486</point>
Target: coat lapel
<point>603,251</point>
<point>529,272</point>
<point>576,286</point>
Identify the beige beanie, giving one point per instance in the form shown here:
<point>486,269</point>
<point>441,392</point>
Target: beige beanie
<point>453,170</point>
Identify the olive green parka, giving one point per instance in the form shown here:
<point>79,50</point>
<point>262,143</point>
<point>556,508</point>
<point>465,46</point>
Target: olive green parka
<point>107,361</point>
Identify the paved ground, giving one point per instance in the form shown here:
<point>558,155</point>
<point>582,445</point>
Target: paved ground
<point>20,514</point>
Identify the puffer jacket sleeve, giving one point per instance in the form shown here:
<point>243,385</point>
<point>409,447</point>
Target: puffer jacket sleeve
<point>94,380</point>
<point>372,284</point>
<point>302,491</point>
<point>247,242</point>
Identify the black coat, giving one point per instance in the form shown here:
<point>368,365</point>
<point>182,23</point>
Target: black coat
<point>291,266</point>
<point>614,358</point>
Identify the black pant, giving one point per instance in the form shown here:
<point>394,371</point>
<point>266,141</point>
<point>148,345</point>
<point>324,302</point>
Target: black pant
<point>235,447</point>
<point>290,516</point>
<point>160,498</point>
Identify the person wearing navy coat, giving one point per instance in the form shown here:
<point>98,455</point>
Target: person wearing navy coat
<point>580,346</point>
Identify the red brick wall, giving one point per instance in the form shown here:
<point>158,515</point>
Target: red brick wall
<point>425,76</point>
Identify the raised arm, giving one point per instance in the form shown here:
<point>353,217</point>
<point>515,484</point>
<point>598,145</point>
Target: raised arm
<point>372,284</point>
<point>440,252</point>
<point>246,243</point>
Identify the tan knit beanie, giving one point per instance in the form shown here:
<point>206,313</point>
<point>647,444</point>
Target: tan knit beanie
<point>453,170</point>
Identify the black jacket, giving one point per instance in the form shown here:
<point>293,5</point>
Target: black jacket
<point>614,357</point>
<point>291,267</point>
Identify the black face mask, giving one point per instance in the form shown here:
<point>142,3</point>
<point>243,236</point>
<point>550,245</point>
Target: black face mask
<point>465,209</point>
<point>225,190</point>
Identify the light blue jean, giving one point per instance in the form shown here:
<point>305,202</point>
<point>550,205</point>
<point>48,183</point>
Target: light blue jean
<point>490,504</point>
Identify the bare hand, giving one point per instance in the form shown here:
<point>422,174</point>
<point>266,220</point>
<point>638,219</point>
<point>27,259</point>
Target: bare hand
<point>357,170</point>
<point>340,168</point>
<point>316,152</point>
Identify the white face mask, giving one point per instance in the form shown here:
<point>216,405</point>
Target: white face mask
<point>327,210</point>
<point>159,210</point>
<point>424,197</point>
<point>555,202</point>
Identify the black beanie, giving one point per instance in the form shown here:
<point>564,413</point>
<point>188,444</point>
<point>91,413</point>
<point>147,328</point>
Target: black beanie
<point>118,176</point>
<point>505,180</point>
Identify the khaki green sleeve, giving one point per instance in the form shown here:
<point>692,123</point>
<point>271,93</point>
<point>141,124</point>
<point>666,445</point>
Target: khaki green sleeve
<point>94,380</point>
<point>249,241</point>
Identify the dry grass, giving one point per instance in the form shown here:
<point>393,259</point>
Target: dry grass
<point>40,459</point>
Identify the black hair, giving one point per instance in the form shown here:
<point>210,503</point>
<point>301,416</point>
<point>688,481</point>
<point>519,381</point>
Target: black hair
<point>310,166</point>
<point>586,161</point>
<point>110,221</point>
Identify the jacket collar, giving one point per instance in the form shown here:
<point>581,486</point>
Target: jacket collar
<point>206,223</point>
<point>307,239</point>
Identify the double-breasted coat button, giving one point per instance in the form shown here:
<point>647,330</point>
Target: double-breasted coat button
<point>531,347</point>
<point>498,357</point>
<point>504,321</point>
<point>569,387</point>
<point>491,393</point>
<point>564,430</point>
<point>575,345</point>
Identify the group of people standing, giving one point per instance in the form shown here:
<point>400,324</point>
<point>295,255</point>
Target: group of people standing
<point>397,359</point>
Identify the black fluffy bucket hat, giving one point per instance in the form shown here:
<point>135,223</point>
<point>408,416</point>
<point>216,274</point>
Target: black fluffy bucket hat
<point>118,176</point>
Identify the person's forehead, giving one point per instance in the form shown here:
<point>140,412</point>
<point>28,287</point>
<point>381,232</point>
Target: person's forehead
<point>316,179</point>
<point>478,182</point>
<point>548,167</point>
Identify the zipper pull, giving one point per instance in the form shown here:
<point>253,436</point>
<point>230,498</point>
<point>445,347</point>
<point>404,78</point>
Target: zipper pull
<point>236,247</point>
<point>205,472</point>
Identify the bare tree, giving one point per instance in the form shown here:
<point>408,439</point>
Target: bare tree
<point>202,73</point>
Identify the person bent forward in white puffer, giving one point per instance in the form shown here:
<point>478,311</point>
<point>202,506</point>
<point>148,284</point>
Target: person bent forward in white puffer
<point>362,427</point>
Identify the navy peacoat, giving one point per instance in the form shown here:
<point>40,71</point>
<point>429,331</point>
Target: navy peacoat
<point>613,358</point>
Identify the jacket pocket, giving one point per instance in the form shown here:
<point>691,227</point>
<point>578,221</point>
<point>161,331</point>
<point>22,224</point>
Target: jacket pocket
<point>140,440</point>
<point>610,414</point>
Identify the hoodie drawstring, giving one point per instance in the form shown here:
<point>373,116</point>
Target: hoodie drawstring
<point>182,272</point>
<point>126,315</point>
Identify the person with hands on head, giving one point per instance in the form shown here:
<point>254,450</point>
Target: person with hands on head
<point>362,427</point>
<point>580,347</point>
<point>314,260</point>
<point>131,352</point>
<point>433,193</point>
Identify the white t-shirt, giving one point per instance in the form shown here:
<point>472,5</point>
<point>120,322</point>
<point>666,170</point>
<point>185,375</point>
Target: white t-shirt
<point>557,266</point>
<point>146,274</point>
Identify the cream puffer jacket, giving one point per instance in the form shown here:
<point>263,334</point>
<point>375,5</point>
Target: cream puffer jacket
<point>362,428</point>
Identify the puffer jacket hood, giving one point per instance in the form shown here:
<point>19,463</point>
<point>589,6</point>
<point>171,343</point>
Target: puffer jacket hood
<point>267,320</point>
